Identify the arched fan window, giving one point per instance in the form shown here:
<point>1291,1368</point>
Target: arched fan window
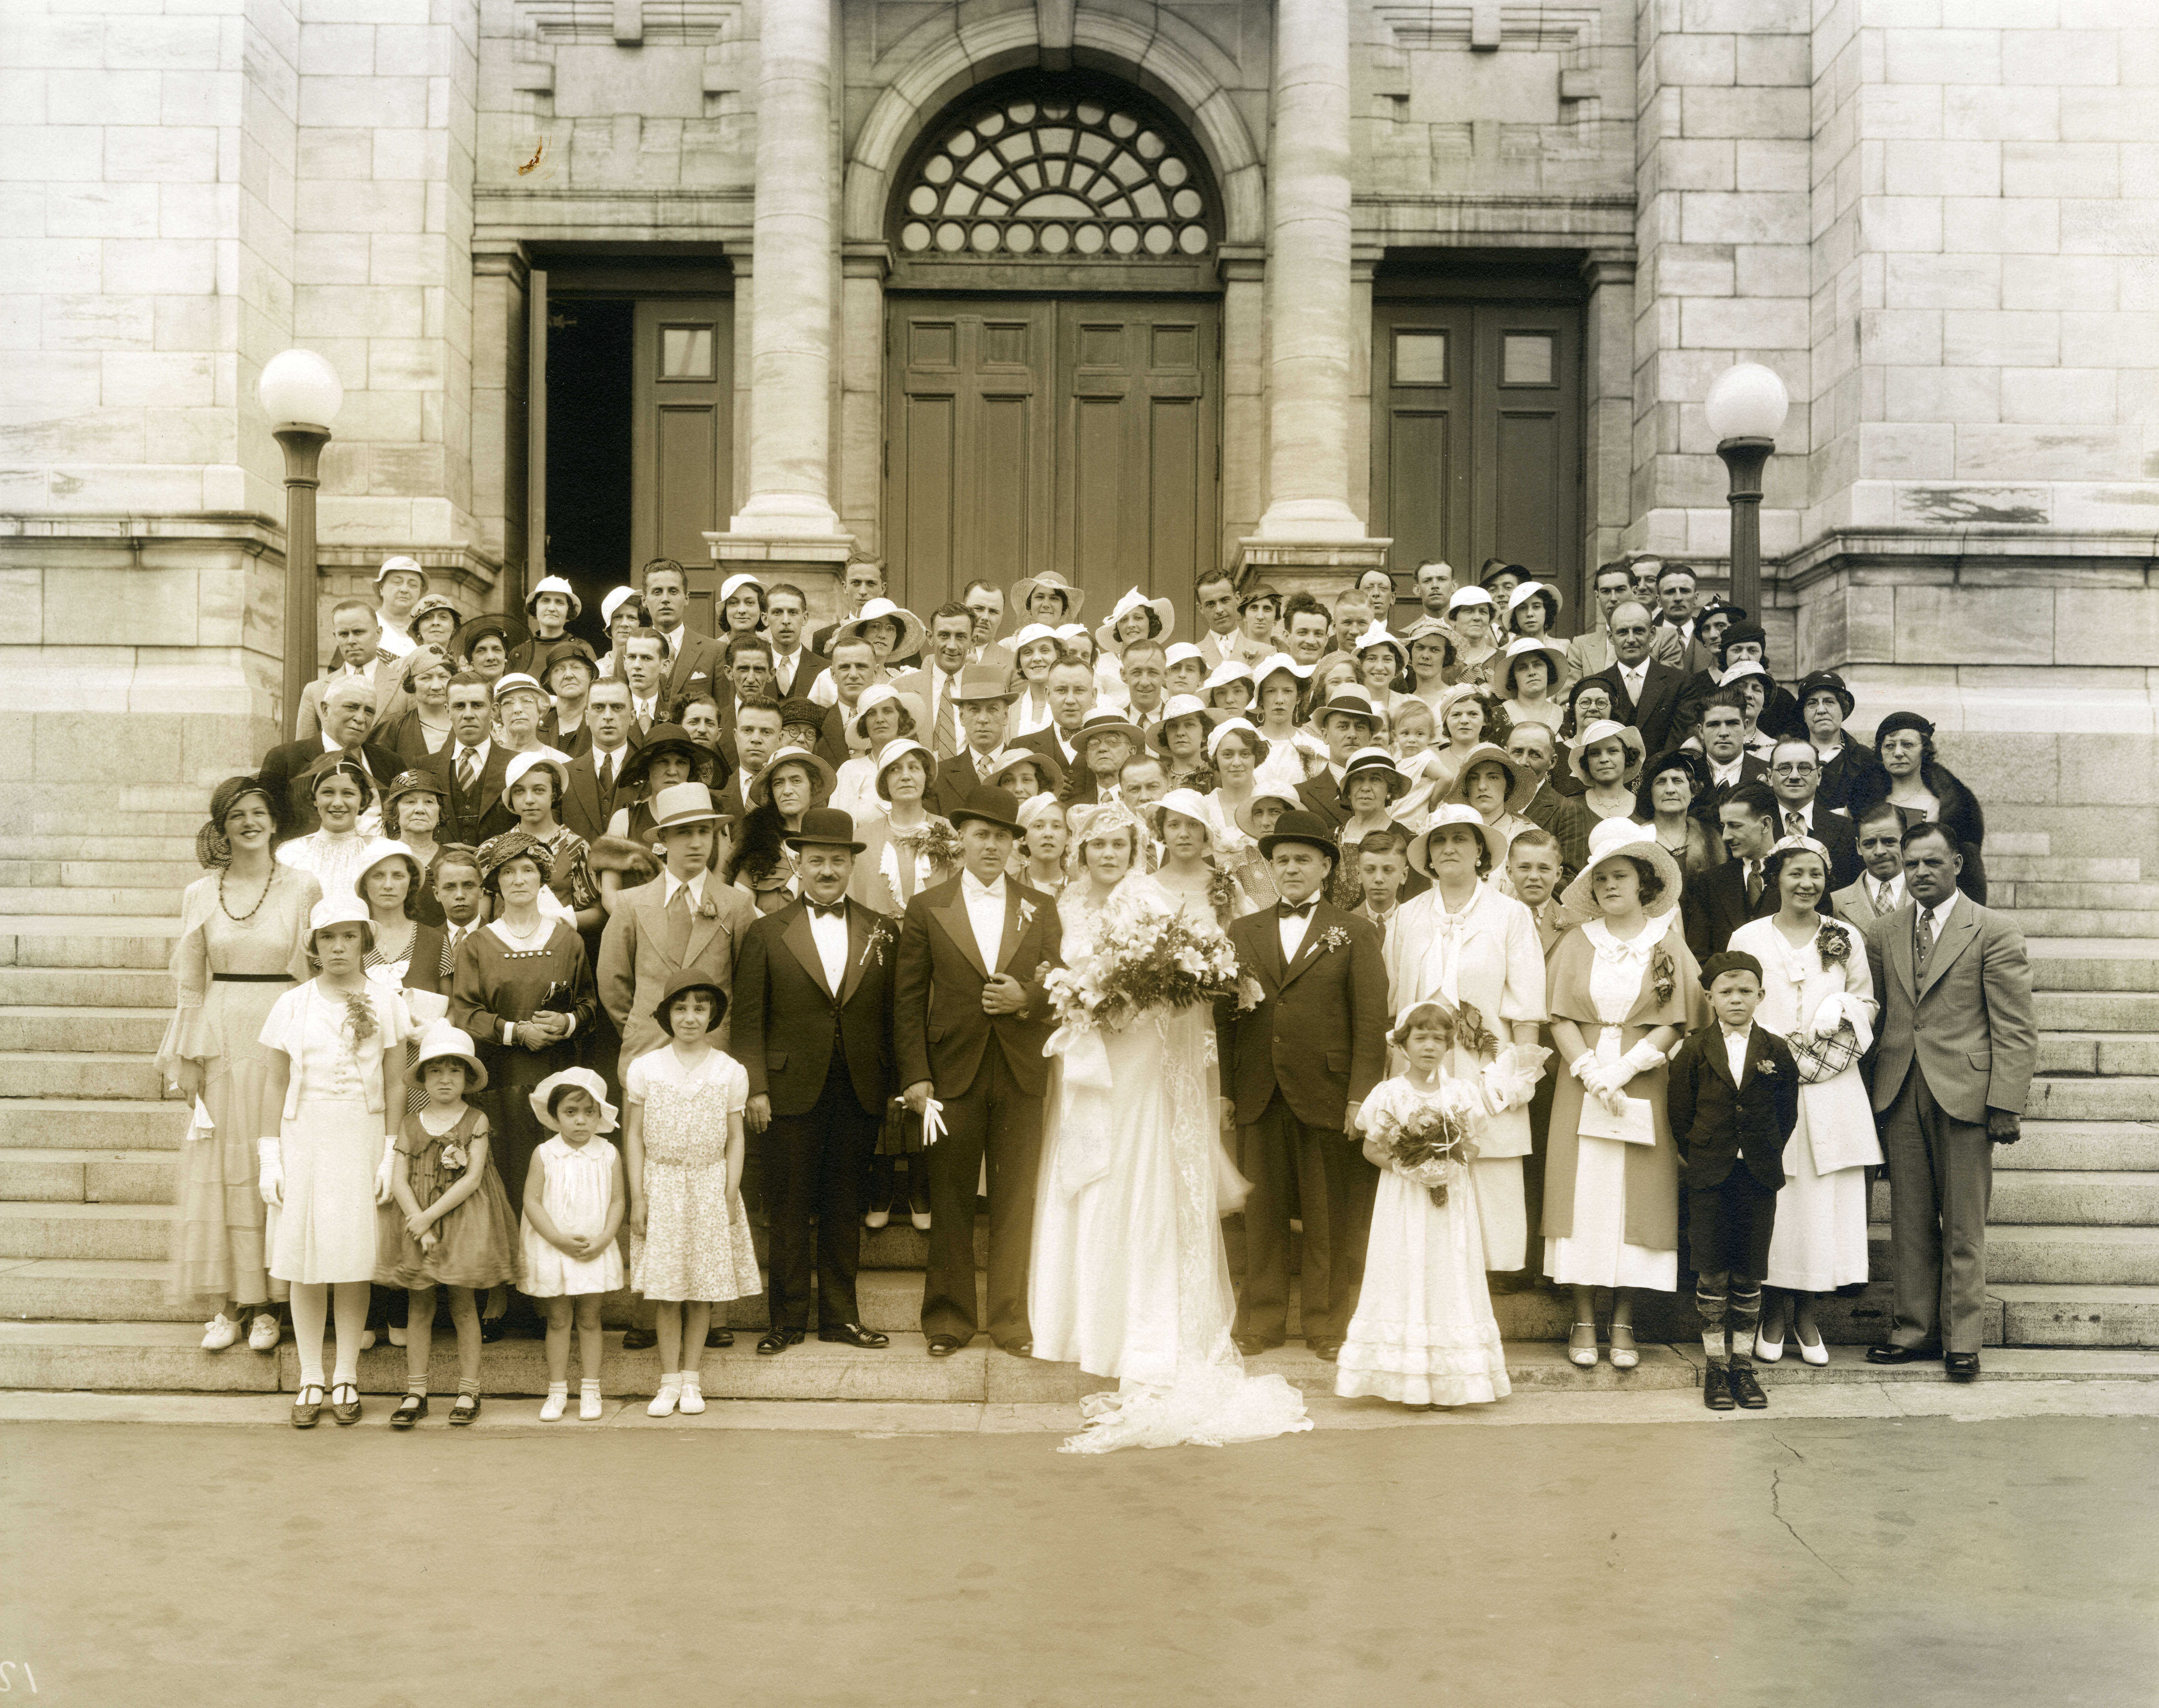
<point>1035,172</point>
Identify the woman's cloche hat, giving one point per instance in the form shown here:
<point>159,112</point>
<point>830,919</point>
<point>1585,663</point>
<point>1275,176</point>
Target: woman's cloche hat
<point>443,1041</point>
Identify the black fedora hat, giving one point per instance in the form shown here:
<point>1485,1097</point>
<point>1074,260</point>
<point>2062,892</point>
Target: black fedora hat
<point>991,806</point>
<point>1306,827</point>
<point>825,827</point>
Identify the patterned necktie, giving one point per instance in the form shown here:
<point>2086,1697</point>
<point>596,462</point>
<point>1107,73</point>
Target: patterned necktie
<point>946,740</point>
<point>450,950</point>
<point>468,771</point>
<point>1794,825</point>
<point>1923,943</point>
<point>1753,882</point>
<point>982,767</point>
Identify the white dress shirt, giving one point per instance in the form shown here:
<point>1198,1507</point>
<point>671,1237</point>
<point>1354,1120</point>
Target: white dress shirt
<point>696,886</point>
<point>1727,776</point>
<point>1735,1051</point>
<point>608,763</point>
<point>1632,676</point>
<point>1293,931</point>
<point>786,666</point>
<point>986,912</point>
<point>1887,898</point>
<point>644,710</point>
<point>1938,915</point>
<point>831,936</point>
<point>1785,811</point>
<point>480,751</point>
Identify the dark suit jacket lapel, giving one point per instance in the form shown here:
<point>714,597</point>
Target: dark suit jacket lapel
<point>803,941</point>
<point>1010,940</point>
<point>953,917</point>
<point>1309,951</point>
<point>858,949</point>
<point>1720,1062</point>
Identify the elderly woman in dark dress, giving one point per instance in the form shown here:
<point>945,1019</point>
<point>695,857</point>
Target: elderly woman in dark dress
<point>243,931</point>
<point>411,814</point>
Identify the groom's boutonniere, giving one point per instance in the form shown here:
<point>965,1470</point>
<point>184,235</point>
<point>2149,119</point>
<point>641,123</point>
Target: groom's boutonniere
<point>875,946</point>
<point>1334,938</point>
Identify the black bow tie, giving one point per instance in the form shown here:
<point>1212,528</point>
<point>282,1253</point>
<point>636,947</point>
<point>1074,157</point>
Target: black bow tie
<point>838,910</point>
<point>1296,910</point>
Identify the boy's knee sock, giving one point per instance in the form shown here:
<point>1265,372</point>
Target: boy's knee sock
<point>1745,1316</point>
<point>1711,1300</point>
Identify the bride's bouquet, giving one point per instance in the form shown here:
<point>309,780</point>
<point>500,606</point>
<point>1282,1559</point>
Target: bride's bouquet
<point>1436,1143</point>
<point>1142,957</point>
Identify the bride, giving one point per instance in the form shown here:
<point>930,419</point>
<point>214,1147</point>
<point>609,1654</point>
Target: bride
<point>1129,1277</point>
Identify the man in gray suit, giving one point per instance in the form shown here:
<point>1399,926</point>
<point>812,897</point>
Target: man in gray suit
<point>1879,889</point>
<point>1958,1045</point>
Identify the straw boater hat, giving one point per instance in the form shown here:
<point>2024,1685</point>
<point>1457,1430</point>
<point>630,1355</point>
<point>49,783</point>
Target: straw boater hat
<point>1372,762</point>
<point>1106,637</point>
<point>911,632</point>
<point>553,584</point>
<point>587,1081</point>
<point>1608,840</point>
<point>1521,783</point>
<point>1533,646</point>
<point>1176,707</point>
<point>1012,759</point>
<point>685,804</point>
<point>408,566</point>
<point>760,786</point>
<point>443,1041</point>
<point>429,604</point>
<point>1023,591</point>
<point>1604,730</point>
<point>892,753</point>
<point>1449,817</point>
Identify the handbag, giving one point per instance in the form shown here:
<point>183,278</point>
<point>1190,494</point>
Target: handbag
<point>1826,1055</point>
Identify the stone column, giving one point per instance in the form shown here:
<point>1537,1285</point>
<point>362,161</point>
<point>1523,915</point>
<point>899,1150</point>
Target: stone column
<point>791,330</point>
<point>1308,286</point>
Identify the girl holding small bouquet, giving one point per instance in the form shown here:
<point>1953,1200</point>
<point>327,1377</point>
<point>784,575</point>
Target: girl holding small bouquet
<point>1424,1333</point>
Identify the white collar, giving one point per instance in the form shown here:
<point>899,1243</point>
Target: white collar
<point>1941,910</point>
<point>971,885</point>
<point>480,748</point>
<point>696,886</point>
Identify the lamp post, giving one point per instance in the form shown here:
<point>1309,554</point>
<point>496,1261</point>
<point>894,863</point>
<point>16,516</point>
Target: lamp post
<point>1746,406</point>
<point>302,393</point>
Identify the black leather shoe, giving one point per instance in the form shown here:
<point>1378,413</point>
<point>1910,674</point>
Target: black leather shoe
<point>1889,1353</point>
<point>719,1336</point>
<point>307,1405</point>
<point>1961,1366</point>
<point>1018,1349</point>
<point>1252,1345</point>
<point>854,1334</point>
<point>945,1345</point>
<point>494,1328</point>
<point>779,1339</point>
<point>347,1411</point>
<point>639,1339</point>
<point>1717,1388</point>
<point>1328,1349</point>
<point>1747,1390</point>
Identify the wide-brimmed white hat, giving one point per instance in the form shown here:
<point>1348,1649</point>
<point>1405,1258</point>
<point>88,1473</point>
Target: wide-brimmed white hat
<point>882,694</point>
<point>1527,645</point>
<point>1378,634</point>
<point>1604,730</point>
<point>1106,637</point>
<point>735,584</point>
<point>443,1041</point>
<point>911,631</point>
<point>1230,669</point>
<point>1449,817</point>
<point>1610,839</point>
<point>586,1080</point>
<point>1023,590</point>
<point>553,584</point>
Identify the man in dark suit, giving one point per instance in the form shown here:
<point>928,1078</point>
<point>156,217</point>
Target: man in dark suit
<point>472,766</point>
<point>981,702</point>
<point>1720,900</point>
<point>1723,734</point>
<point>1956,1048</point>
<point>1794,768</point>
<point>813,1028</point>
<point>348,710</point>
<point>590,801</point>
<point>970,1017</point>
<point>694,660</point>
<point>1070,689</point>
<point>1348,721</point>
<point>1534,746</point>
<point>758,730</point>
<point>1296,1068</point>
<point>1646,692</point>
<point>795,666</point>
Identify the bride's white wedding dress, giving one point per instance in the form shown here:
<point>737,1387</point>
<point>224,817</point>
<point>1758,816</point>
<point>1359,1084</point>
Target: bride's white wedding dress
<point>1129,1276</point>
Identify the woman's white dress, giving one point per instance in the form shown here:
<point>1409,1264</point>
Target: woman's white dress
<point>1820,1239</point>
<point>1129,1276</point>
<point>335,861</point>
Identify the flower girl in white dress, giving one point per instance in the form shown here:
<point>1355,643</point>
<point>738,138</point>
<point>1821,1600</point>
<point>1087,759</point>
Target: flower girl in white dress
<point>1424,1333</point>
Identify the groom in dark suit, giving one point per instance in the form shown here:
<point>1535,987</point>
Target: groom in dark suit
<point>1957,1046</point>
<point>969,1019</point>
<point>1296,1066</point>
<point>813,1028</point>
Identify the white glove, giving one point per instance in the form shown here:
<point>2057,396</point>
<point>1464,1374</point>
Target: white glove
<point>383,1188</point>
<point>270,1171</point>
<point>1829,1016</point>
<point>1639,1059</point>
<point>1599,1081</point>
<point>1580,1065</point>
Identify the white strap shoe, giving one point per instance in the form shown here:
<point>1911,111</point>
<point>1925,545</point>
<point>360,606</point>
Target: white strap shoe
<point>663,1402</point>
<point>263,1336</point>
<point>693,1395</point>
<point>558,1396</point>
<point>588,1402</point>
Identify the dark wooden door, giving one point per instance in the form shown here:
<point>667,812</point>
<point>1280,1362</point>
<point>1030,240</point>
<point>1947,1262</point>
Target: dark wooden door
<point>683,437</point>
<point>1076,435</point>
<point>1477,436</point>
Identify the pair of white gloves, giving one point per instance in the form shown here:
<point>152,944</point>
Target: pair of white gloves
<point>1606,1081</point>
<point>269,1171</point>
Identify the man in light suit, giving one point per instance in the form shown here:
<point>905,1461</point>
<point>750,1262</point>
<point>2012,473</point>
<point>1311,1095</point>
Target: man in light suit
<point>1590,653</point>
<point>1879,887</point>
<point>970,1017</point>
<point>1957,1047</point>
<point>685,919</point>
<point>354,625</point>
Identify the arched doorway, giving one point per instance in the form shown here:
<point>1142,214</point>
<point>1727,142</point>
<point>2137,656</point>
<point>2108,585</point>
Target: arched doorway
<point>1052,344</point>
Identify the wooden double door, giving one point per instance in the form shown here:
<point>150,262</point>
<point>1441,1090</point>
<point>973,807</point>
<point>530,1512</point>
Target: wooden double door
<point>1074,434</point>
<point>1477,436</point>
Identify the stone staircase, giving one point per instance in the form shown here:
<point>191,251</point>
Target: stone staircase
<point>88,1148</point>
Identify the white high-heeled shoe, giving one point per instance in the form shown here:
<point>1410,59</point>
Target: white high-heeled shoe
<point>1818,1354</point>
<point>1582,1356</point>
<point>1766,1350</point>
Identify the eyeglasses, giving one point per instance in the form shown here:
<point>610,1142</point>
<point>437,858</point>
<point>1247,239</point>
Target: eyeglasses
<point>1793,770</point>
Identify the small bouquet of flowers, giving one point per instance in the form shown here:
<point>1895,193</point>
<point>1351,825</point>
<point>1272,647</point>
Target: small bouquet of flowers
<point>1143,957</point>
<point>1436,1143</point>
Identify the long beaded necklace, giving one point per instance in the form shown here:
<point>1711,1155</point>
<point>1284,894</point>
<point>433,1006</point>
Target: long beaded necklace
<point>242,919</point>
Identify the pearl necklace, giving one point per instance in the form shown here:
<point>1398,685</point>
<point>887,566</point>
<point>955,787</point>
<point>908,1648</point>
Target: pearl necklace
<point>242,919</point>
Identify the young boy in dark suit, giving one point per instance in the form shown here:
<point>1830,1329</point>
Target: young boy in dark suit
<point>1734,1100</point>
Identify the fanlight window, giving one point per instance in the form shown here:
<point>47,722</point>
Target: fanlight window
<point>1034,176</point>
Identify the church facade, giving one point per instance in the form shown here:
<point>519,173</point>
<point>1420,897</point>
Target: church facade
<point>1124,288</point>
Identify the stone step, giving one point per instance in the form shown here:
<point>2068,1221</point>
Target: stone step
<point>70,1073</point>
<point>2058,868</point>
<point>2133,898</point>
<point>86,987</point>
<point>2038,1315</point>
<point>2079,1257</point>
<point>93,1290</point>
<point>52,1176</point>
<point>2126,1145</point>
<point>2037,923</point>
<point>2094,964</point>
<point>2084,1053</point>
<point>72,844</point>
<point>91,1124</point>
<point>2058,1011</point>
<point>94,874</point>
<point>89,940</point>
<point>2093,1099</point>
<point>83,1231</point>
<point>2088,1197</point>
<point>154,902</point>
<point>84,1030</point>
